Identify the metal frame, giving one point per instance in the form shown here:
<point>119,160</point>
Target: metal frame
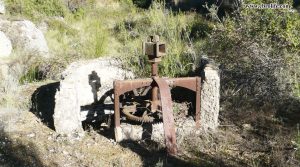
<point>155,51</point>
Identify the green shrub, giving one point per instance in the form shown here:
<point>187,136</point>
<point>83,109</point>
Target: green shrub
<point>258,51</point>
<point>36,9</point>
<point>72,39</point>
<point>33,74</point>
<point>96,40</point>
<point>173,28</point>
<point>142,3</point>
<point>201,28</point>
<point>74,5</point>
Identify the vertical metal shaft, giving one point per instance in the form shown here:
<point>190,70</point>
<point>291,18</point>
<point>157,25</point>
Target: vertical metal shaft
<point>117,104</point>
<point>154,69</point>
<point>118,130</point>
<point>154,73</point>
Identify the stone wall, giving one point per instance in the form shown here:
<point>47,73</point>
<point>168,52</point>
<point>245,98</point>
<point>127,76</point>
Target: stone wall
<point>210,99</point>
<point>83,83</point>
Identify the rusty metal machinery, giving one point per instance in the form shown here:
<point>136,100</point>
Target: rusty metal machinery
<point>140,107</point>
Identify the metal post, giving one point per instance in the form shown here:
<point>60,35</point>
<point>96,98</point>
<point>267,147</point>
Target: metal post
<point>118,131</point>
<point>154,71</point>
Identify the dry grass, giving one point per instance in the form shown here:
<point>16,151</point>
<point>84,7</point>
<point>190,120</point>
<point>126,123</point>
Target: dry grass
<point>31,143</point>
<point>255,140</point>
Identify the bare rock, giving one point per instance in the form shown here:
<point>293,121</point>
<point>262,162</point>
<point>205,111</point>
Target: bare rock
<point>5,45</point>
<point>84,83</point>
<point>155,132</point>
<point>210,99</point>
<point>67,110</point>
<point>25,36</point>
<point>2,7</point>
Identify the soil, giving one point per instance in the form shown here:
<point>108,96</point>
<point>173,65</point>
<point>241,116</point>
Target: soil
<point>26,141</point>
<point>244,138</point>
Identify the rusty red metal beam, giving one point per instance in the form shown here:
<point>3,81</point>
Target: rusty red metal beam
<point>168,118</point>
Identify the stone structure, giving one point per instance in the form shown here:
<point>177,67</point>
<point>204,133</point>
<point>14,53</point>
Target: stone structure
<point>5,45</point>
<point>83,83</point>
<point>82,79</point>
<point>184,127</point>
<point>25,36</point>
<point>67,110</point>
<point>210,99</point>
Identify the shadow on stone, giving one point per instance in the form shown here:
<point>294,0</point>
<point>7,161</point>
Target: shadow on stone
<point>95,83</point>
<point>96,112</point>
<point>43,103</point>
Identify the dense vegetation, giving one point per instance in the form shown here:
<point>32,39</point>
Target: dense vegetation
<point>258,51</point>
<point>268,40</point>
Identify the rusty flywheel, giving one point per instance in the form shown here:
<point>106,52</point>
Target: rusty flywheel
<point>129,112</point>
<point>139,110</point>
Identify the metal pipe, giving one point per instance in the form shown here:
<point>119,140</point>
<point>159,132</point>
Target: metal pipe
<point>117,103</point>
<point>154,69</point>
